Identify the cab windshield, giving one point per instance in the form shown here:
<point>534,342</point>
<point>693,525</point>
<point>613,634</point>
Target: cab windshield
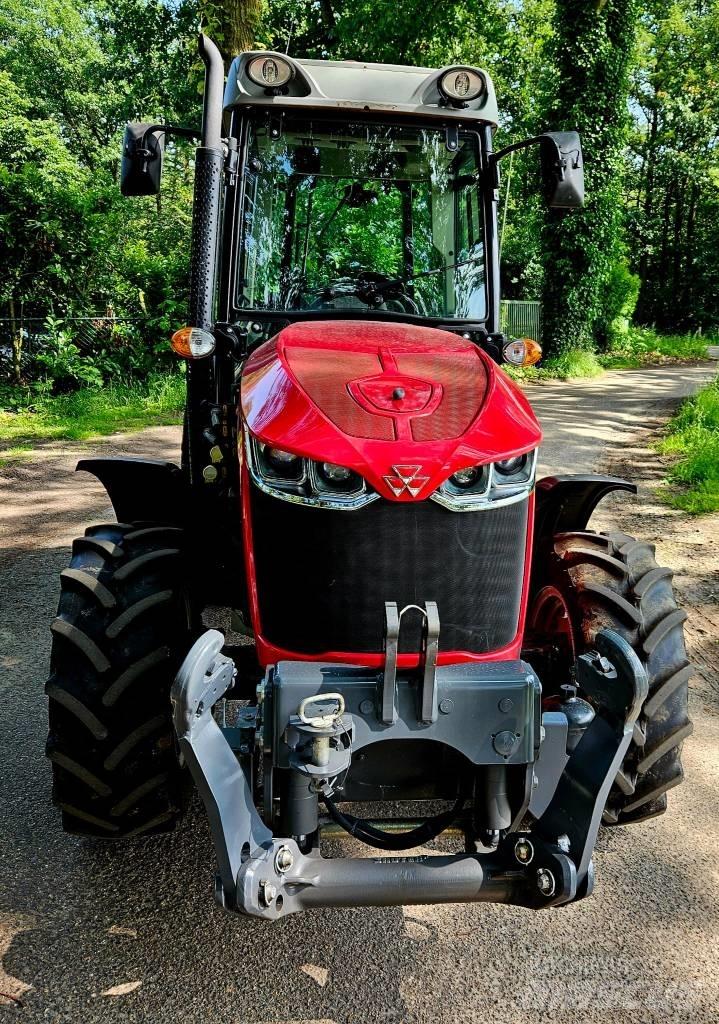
<point>361,218</point>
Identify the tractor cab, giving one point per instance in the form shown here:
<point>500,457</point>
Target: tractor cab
<point>361,192</point>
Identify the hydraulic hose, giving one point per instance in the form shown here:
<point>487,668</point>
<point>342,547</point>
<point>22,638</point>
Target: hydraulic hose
<point>361,829</point>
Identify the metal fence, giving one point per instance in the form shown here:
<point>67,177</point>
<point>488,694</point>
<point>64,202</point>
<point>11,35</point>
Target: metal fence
<point>98,333</point>
<point>93,334</point>
<point>521,319</point>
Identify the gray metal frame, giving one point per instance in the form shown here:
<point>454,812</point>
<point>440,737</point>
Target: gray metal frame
<point>351,86</point>
<point>268,876</point>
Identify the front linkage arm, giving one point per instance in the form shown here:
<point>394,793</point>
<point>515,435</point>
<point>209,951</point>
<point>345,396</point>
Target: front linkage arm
<point>267,876</point>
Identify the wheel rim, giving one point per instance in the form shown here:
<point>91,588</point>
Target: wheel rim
<point>550,626</point>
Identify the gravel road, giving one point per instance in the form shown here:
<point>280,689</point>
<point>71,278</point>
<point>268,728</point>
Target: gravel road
<point>91,932</point>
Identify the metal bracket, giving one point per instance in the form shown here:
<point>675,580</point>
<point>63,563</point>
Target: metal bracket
<point>616,682</point>
<point>427,712</point>
<point>204,676</point>
<point>430,649</point>
<point>451,138</point>
<point>270,876</point>
<point>388,711</point>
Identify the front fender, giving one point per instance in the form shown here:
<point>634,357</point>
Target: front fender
<point>148,490</point>
<point>566,503</point>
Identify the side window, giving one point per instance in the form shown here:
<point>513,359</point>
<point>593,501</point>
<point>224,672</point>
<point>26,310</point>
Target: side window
<point>469,275</point>
<point>468,228</point>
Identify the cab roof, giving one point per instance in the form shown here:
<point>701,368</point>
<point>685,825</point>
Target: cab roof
<point>347,86</point>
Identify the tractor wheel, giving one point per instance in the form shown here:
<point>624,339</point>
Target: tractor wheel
<point>596,581</point>
<point>122,629</point>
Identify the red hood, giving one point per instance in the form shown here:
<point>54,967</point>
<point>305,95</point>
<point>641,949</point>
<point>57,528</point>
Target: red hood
<point>383,398</point>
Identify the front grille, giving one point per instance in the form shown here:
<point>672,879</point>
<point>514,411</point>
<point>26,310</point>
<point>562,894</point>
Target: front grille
<point>323,576</point>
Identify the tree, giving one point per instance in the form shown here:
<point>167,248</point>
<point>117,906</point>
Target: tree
<point>673,165</point>
<point>234,25</point>
<point>588,87</point>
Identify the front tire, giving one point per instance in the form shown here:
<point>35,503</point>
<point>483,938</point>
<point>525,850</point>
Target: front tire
<point>595,581</point>
<point>122,629</point>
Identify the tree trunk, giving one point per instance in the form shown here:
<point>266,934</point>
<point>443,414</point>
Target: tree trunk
<point>235,25</point>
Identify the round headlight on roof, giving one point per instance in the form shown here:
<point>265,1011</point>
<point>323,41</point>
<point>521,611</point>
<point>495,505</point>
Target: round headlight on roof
<point>272,72</point>
<point>461,84</point>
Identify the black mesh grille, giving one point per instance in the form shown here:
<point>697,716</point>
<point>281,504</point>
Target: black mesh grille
<point>323,576</point>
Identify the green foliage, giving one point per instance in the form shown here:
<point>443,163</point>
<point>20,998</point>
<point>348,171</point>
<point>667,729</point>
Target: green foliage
<point>70,75</point>
<point>73,71</point>
<point>592,50</point>
<point>31,414</point>
<point>617,301</point>
<point>641,346</point>
<point>568,366</point>
<point>62,361</point>
<point>672,195</point>
<point>694,439</point>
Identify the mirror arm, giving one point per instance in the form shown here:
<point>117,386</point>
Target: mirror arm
<point>524,144</point>
<point>143,150</point>
<point>534,141</point>
<point>169,129</point>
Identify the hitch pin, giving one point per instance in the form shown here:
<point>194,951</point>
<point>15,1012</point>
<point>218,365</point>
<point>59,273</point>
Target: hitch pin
<point>321,744</point>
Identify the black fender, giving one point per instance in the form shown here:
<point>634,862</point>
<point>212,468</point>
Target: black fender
<point>147,490</point>
<point>564,504</point>
<point>156,491</point>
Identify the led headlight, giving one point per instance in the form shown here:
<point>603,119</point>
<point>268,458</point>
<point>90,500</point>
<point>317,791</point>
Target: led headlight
<point>466,477</point>
<point>335,474</point>
<point>282,460</point>
<point>272,72</point>
<point>506,467</point>
<point>294,478</point>
<point>461,84</point>
<point>279,465</point>
<point>486,486</point>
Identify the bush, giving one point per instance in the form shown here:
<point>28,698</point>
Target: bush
<point>642,345</point>
<point>64,364</point>
<point>618,302</point>
<point>694,437</point>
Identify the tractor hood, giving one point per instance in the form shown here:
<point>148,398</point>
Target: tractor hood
<point>385,399</point>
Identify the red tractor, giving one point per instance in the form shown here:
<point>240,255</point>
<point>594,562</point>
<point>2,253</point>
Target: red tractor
<point>430,633</point>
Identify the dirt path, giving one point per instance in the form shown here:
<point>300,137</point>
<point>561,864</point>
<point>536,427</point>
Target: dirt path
<point>92,932</point>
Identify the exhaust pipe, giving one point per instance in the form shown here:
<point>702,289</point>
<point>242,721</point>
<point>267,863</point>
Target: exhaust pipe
<point>208,182</point>
<point>209,160</point>
<point>214,88</point>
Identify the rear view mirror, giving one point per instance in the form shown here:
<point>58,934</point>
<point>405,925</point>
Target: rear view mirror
<point>562,169</point>
<point>141,167</point>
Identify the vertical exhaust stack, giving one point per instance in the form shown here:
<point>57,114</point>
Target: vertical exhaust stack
<point>209,160</point>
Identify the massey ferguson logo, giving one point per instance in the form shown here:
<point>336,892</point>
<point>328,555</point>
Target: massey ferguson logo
<point>406,478</point>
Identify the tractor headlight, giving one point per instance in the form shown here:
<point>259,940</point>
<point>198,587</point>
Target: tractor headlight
<point>270,71</point>
<point>461,84</point>
<point>335,474</point>
<point>292,477</point>
<point>466,478</point>
<point>485,486</point>
<point>508,467</point>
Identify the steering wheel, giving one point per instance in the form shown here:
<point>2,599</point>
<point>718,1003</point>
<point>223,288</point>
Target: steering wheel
<point>372,288</point>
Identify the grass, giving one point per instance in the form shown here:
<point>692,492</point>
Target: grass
<point>565,367</point>
<point>642,346</point>
<point>693,438</point>
<point>31,415</point>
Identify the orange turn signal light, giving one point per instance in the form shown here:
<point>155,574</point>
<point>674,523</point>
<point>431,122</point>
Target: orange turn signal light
<point>522,352</point>
<point>193,343</point>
